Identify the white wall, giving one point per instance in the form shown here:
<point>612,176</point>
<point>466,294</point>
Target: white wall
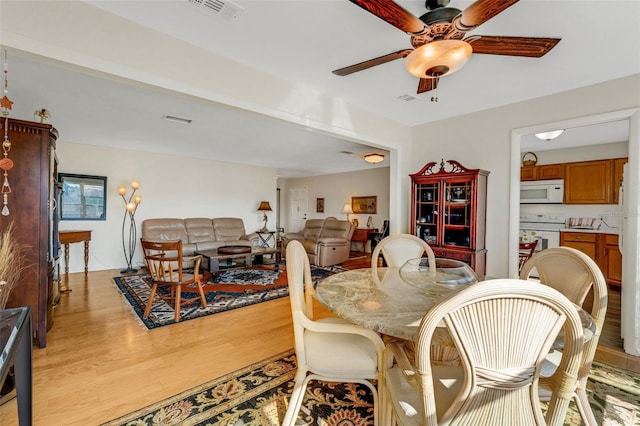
<point>170,186</point>
<point>337,189</point>
<point>587,153</point>
<point>483,140</point>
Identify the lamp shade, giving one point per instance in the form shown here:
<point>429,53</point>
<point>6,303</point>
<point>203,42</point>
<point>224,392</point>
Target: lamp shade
<point>438,58</point>
<point>547,136</point>
<point>347,209</point>
<point>264,206</point>
<point>373,158</point>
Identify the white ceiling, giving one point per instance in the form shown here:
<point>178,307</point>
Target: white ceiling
<point>303,41</point>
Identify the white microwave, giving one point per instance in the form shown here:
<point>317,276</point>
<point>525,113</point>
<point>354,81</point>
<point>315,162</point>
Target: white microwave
<point>542,192</point>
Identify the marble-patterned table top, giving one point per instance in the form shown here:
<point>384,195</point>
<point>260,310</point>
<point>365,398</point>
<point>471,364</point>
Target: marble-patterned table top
<point>392,307</point>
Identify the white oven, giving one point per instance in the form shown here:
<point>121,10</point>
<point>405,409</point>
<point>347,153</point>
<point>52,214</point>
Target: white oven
<point>541,227</point>
<point>542,192</point>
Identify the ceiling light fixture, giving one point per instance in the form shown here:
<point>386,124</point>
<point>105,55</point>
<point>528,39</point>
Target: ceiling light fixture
<point>176,119</point>
<point>373,157</point>
<point>547,136</point>
<point>438,58</point>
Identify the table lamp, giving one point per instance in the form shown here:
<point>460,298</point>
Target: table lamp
<point>347,210</point>
<point>264,207</point>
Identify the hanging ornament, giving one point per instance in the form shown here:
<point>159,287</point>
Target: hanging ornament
<point>5,102</point>
<point>6,163</point>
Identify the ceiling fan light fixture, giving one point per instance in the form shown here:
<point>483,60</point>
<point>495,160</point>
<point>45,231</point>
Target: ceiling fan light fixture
<point>373,158</point>
<point>547,136</point>
<point>438,58</point>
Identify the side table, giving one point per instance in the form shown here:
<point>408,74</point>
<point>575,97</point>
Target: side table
<point>15,345</point>
<point>66,238</point>
<point>267,238</point>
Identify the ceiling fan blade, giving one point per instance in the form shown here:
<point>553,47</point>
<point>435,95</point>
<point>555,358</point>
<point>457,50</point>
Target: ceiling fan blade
<point>372,62</point>
<point>395,15</point>
<point>533,47</point>
<point>427,84</point>
<point>480,12</point>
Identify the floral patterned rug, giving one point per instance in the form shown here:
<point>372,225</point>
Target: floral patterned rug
<point>230,289</point>
<point>257,395</point>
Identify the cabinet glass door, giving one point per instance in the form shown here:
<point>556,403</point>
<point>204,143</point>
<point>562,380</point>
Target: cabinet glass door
<point>427,198</point>
<point>457,213</point>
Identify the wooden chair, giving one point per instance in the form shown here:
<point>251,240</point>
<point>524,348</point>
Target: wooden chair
<point>503,329</point>
<point>397,249</point>
<point>165,262</point>
<point>573,274</point>
<point>328,349</point>
<point>526,250</point>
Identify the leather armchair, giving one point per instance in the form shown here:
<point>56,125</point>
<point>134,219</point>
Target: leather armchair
<point>326,241</point>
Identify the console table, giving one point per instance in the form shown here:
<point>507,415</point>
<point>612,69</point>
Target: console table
<point>15,349</point>
<point>362,235</point>
<point>69,237</point>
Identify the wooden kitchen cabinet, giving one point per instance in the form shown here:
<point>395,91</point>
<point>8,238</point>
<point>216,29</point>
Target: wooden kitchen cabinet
<point>611,261</point>
<point>590,182</point>
<point>448,211</point>
<point>542,172</point>
<point>602,248</point>
<point>583,241</point>
<point>618,164</point>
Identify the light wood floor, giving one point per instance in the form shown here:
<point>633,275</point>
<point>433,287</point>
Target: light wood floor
<point>101,363</point>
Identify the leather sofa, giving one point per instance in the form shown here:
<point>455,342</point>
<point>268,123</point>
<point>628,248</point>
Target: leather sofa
<point>199,233</point>
<point>326,241</point>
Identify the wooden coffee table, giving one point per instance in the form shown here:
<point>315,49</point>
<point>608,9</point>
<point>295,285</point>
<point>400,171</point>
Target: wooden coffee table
<point>214,256</point>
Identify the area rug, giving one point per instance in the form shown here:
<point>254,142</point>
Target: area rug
<point>227,290</point>
<point>257,395</point>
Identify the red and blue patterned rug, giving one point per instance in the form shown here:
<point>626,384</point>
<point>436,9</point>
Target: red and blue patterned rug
<point>230,289</point>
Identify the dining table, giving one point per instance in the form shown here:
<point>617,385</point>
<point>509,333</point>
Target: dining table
<point>387,304</point>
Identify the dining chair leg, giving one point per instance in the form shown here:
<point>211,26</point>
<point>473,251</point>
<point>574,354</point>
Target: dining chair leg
<point>152,295</point>
<point>178,293</point>
<point>295,401</point>
<point>584,408</point>
<point>203,299</point>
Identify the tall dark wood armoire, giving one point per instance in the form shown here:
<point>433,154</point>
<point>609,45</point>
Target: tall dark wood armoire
<point>31,205</point>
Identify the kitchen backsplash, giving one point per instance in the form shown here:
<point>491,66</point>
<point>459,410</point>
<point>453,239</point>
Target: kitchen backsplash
<point>611,214</point>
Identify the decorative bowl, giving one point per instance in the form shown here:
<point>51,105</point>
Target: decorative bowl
<point>449,275</point>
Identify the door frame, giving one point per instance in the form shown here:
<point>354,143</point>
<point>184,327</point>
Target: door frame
<point>631,269</point>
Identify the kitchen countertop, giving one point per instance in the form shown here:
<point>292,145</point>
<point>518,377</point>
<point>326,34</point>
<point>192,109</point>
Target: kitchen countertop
<point>613,231</point>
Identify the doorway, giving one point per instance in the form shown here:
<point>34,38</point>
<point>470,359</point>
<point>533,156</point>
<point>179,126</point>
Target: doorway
<point>631,250</point>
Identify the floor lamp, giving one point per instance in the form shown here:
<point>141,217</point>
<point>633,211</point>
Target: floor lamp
<point>131,205</point>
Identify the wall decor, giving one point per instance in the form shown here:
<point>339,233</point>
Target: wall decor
<point>319,205</point>
<point>365,205</point>
<point>83,197</point>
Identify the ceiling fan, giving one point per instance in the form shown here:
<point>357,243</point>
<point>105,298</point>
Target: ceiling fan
<point>439,48</point>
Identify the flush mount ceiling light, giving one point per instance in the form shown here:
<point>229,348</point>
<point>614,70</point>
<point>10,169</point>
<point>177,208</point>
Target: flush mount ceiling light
<point>373,157</point>
<point>438,58</point>
<point>547,136</point>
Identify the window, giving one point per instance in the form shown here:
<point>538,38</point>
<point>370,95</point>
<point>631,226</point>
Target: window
<point>83,197</point>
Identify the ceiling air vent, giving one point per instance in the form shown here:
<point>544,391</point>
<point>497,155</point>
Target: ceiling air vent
<point>406,98</point>
<point>222,9</point>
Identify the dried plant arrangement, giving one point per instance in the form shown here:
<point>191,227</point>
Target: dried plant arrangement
<point>12,263</point>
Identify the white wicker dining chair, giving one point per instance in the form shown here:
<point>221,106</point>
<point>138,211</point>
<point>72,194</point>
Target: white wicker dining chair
<point>397,249</point>
<point>328,349</point>
<point>503,329</point>
<point>573,274</point>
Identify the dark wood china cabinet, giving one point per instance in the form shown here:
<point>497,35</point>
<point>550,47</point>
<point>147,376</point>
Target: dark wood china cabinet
<point>31,208</point>
<point>448,211</point>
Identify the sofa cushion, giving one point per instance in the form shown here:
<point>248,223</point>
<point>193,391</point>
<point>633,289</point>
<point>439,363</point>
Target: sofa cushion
<point>336,229</point>
<point>164,230</point>
<point>199,229</point>
<point>312,229</point>
<point>228,229</point>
